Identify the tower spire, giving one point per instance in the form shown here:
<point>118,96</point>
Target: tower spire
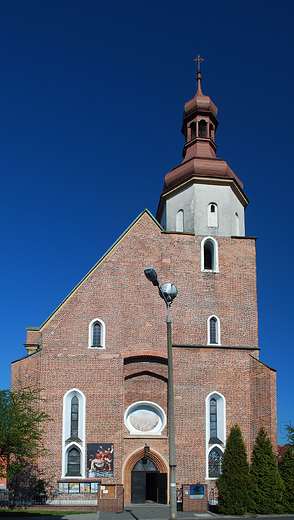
<point>199,75</point>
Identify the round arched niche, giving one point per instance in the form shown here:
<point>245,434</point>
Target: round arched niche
<point>145,418</point>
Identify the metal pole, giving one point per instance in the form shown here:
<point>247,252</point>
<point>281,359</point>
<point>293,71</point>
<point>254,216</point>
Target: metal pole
<point>171,422</point>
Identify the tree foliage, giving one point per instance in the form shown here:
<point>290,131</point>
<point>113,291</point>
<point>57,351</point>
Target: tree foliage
<point>289,430</point>
<point>21,428</point>
<point>287,474</point>
<point>233,483</point>
<point>266,485</point>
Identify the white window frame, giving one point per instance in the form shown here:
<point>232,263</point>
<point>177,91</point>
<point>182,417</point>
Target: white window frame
<point>212,218</point>
<point>221,425</point>
<point>91,328</point>
<point>74,392</point>
<point>218,335</point>
<point>151,406</point>
<point>215,255</point>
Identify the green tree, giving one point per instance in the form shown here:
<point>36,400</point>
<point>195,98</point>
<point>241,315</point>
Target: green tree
<point>233,482</point>
<point>287,474</point>
<point>21,428</point>
<point>289,430</point>
<point>266,485</point>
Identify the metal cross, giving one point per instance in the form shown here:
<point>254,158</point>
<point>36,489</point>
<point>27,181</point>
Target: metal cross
<point>198,60</point>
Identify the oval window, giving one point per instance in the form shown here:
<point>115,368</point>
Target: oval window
<point>145,417</point>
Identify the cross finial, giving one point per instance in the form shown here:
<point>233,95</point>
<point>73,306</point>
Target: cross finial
<point>198,60</point>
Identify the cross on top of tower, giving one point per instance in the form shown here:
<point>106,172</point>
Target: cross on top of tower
<point>198,60</point>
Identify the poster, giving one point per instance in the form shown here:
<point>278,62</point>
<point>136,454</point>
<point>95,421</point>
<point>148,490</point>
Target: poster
<point>100,460</point>
<point>197,491</point>
<point>73,487</point>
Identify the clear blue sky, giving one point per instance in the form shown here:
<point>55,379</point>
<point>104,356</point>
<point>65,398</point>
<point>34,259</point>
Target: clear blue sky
<point>91,100</point>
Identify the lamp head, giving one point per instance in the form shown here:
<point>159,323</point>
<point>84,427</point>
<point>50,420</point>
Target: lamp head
<point>151,275</point>
<point>168,291</point>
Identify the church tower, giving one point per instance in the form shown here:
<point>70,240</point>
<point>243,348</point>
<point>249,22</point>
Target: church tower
<point>202,195</point>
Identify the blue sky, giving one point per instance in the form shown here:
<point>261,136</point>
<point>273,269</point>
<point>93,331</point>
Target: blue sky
<point>91,100</point>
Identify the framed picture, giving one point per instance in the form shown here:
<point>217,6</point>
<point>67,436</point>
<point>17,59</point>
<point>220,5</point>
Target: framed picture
<point>197,491</point>
<point>100,460</point>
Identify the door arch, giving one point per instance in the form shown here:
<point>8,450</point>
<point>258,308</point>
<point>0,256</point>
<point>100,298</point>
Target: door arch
<point>147,471</point>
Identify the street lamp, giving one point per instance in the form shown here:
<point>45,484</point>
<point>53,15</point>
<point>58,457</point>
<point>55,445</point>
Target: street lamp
<point>168,292</point>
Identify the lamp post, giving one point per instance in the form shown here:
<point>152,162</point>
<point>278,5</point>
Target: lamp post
<point>168,292</point>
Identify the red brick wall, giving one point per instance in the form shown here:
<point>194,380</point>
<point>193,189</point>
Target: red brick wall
<point>194,504</point>
<point>113,504</point>
<point>117,291</point>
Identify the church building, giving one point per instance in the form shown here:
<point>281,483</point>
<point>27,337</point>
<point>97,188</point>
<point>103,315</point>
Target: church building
<point>101,360</point>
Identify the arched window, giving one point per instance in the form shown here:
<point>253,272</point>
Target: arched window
<point>74,419</point>
<point>213,418</point>
<point>211,131</point>
<point>214,462</point>
<point>180,221</point>
<point>209,254</point>
<point>73,462</point>
<point>237,224</point>
<point>97,334</point>
<point>213,331</point>
<point>215,433</point>
<point>212,215</point>
<point>202,128</point>
<point>193,130</point>
<point>73,432</point>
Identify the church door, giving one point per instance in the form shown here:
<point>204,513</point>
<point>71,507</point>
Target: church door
<point>147,483</point>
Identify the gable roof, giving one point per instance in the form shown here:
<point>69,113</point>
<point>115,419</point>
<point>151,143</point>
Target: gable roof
<point>147,212</point>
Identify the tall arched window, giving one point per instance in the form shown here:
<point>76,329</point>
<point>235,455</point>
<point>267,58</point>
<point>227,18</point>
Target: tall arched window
<point>209,255</point>
<point>97,334</point>
<point>215,433</point>
<point>180,221</point>
<point>213,331</point>
<point>213,418</point>
<point>74,419</point>
<point>193,130</point>
<point>202,128</point>
<point>73,433</point>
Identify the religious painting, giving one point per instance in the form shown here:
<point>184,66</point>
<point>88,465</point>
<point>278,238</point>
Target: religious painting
<point>100,460</point>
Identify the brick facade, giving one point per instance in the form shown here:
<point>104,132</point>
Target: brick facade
<point>133,366</point>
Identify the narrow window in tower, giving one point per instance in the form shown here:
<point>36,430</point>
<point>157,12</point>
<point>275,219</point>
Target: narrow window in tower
<point>97,335</point>
<point>180,221</point>
<point>209,249</point>
<point>208,255</point>
<point>202,128</point>
<point>237,224</point>
<point>211,131</point>
<point>213,330</point>
<point>74,417</point>
<point>193,130</point>
<point>213,419</point>
<point>73,462</point>
<point>212,215</point>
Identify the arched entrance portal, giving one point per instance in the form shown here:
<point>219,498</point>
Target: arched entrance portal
<point>147,483</point>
